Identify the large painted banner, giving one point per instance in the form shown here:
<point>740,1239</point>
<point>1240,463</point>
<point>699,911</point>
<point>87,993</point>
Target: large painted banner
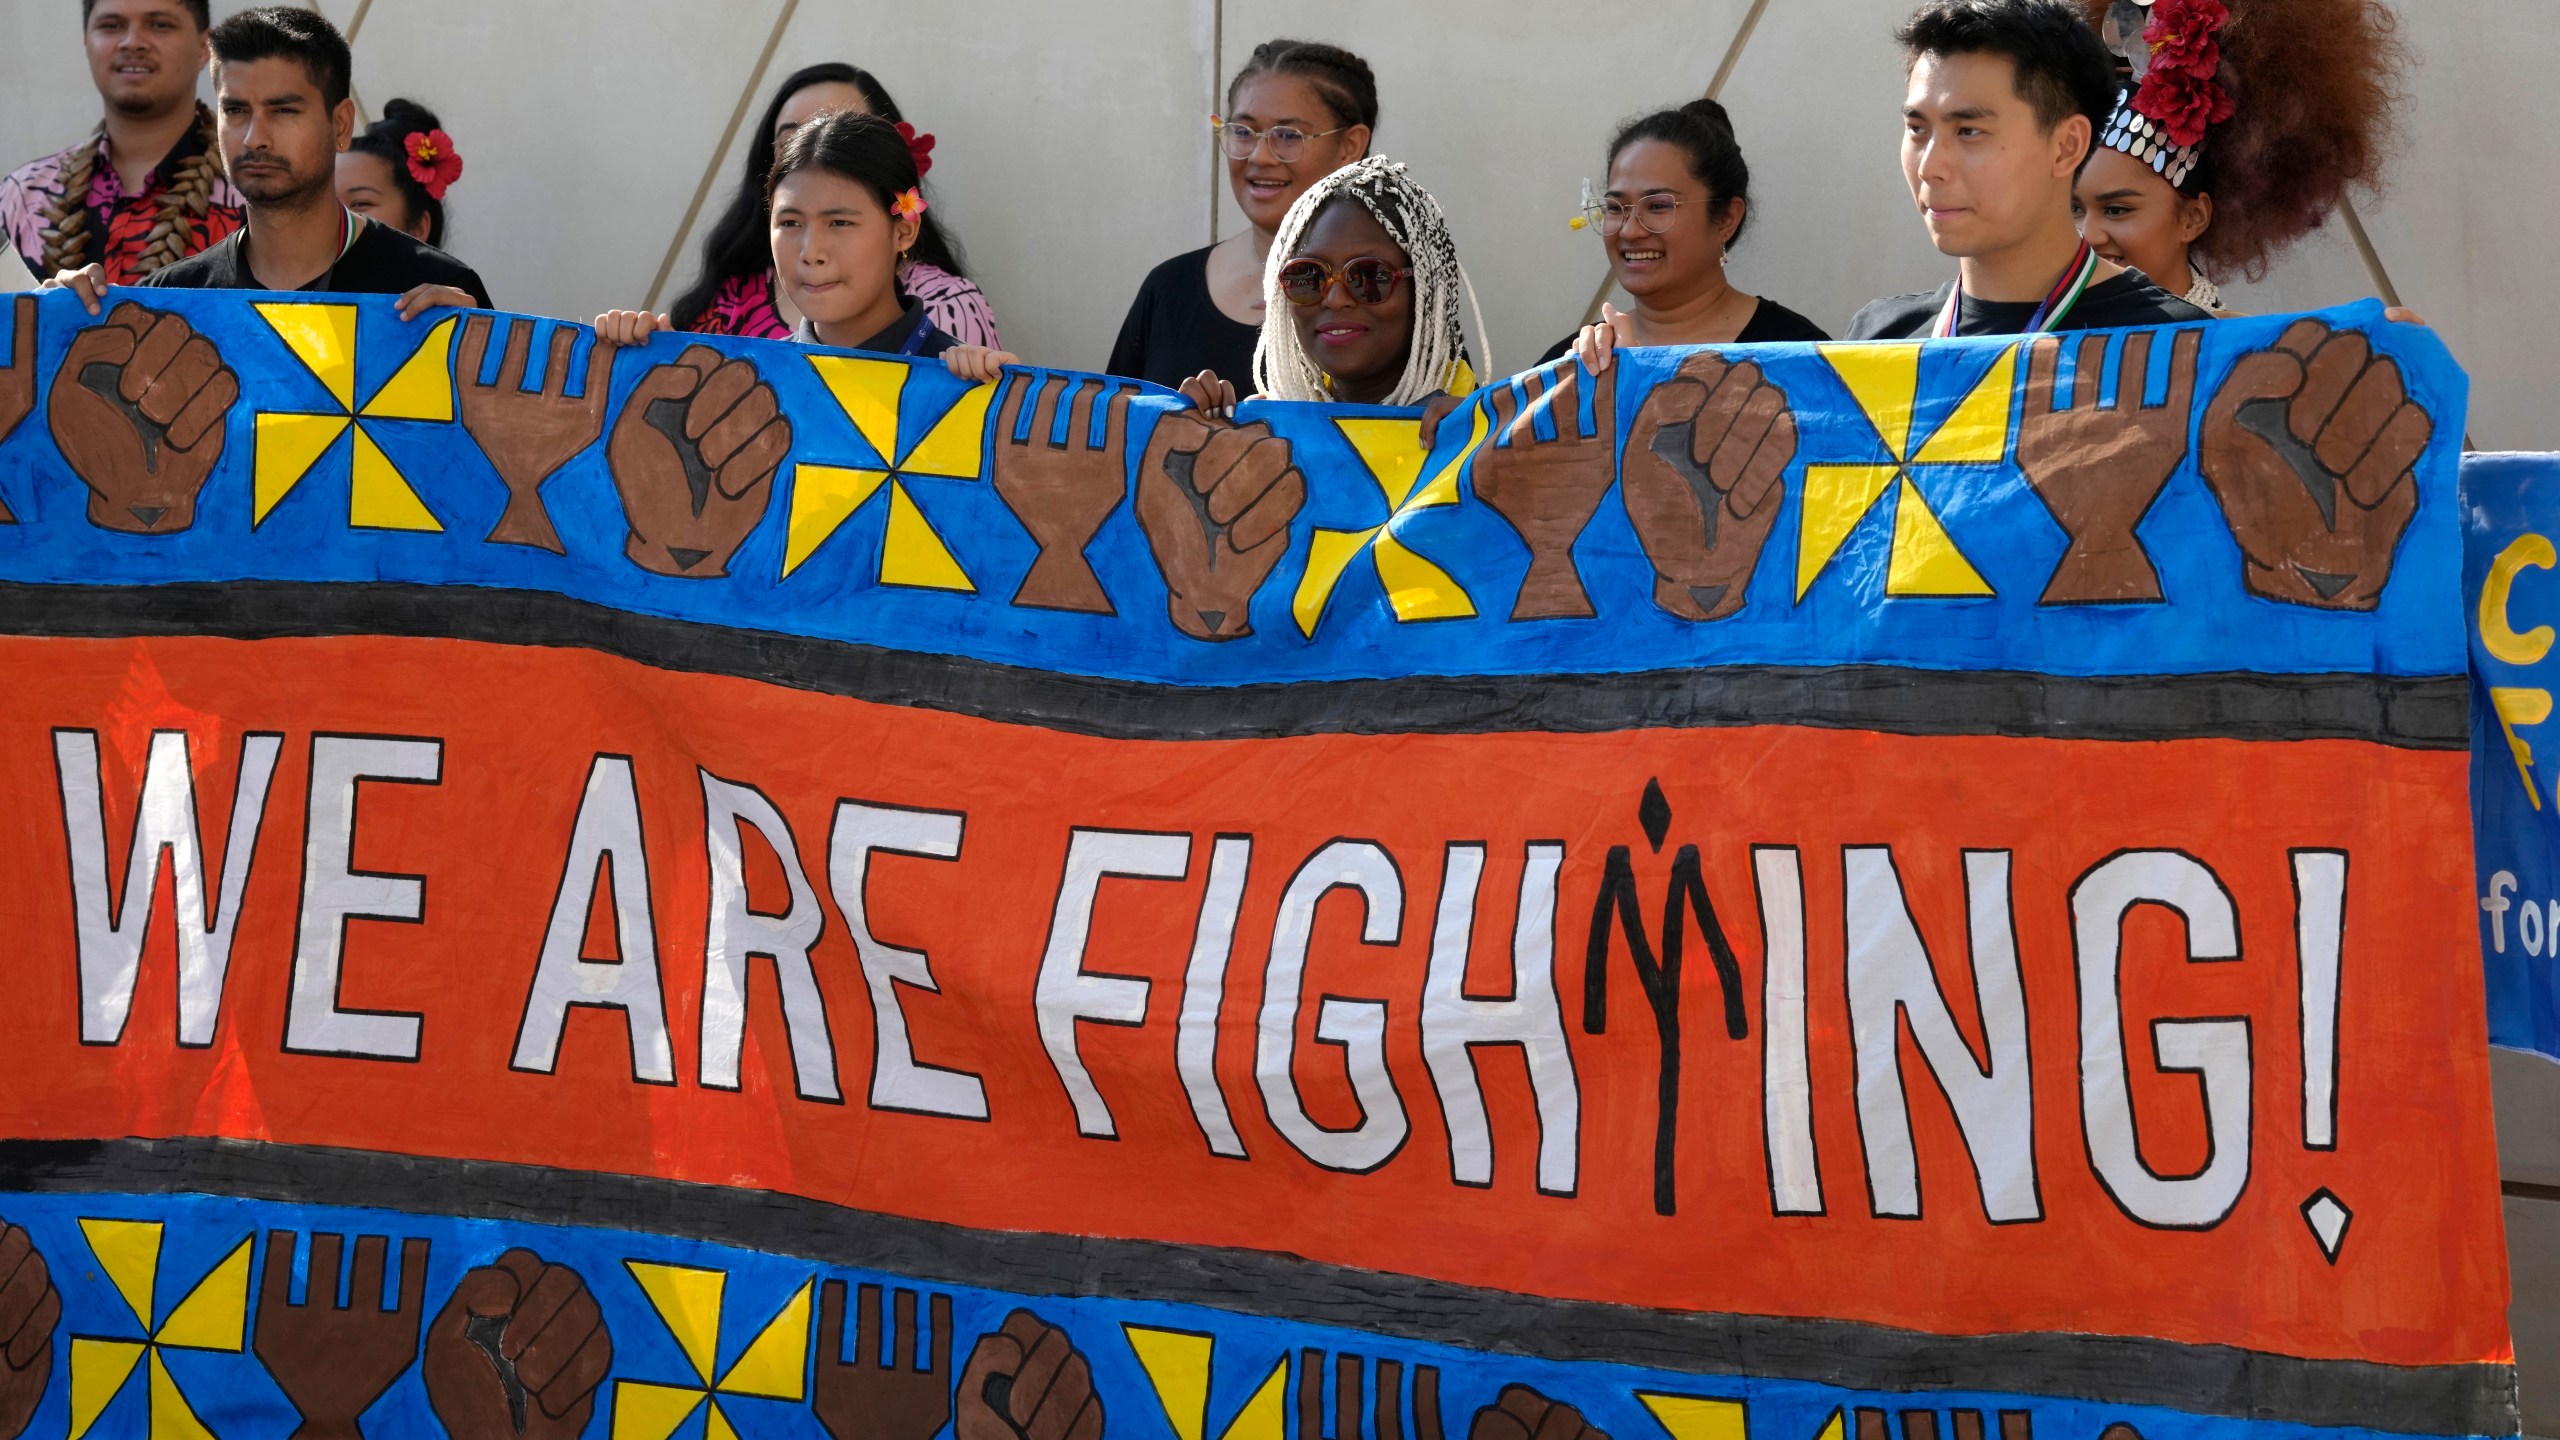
<point>2510,511</point>
<point>1861,892</point>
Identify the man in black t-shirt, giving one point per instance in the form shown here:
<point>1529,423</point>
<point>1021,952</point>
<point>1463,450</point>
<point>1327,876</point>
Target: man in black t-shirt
<point>2003,103</point>
<point>282,112</point>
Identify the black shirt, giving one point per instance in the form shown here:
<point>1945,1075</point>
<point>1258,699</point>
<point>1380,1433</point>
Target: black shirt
<point>382,261</point>
<point>2127,299</point>
<point>1175,331</point>
<point>1770,323</point>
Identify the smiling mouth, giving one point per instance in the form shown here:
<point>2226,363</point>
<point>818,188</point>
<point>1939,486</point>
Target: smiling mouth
<point>1640,257</point>
<point>1340,334</point>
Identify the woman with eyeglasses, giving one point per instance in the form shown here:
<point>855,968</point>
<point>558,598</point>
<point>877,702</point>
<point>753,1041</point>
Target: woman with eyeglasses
<point>1362,300</point>
<point>1298,111</point>
<point>1679,197</point>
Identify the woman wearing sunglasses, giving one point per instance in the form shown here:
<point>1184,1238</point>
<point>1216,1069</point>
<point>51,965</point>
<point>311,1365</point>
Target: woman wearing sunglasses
<point>1362,299</point>
<point>1679,196</point>
<point>1296,112</point>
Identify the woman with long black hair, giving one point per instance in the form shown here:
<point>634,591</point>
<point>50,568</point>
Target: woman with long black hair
<point>734,293</point>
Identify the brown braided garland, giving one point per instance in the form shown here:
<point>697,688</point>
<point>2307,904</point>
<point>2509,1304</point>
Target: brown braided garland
<point>187,201</point>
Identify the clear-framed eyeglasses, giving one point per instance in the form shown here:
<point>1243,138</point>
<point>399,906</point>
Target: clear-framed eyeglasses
<point>1609,215</point>
<point>1287,142</point>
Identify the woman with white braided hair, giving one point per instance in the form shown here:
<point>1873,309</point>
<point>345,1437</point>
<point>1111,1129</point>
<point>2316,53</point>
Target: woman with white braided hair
<point>1362,298</point>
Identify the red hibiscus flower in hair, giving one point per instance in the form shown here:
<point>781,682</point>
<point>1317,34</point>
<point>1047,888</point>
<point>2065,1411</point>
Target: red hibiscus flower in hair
<point>2180,91</point>
<point>433,162</point>
<point>918,145</point>
<point>2183,105</point>
<point>2185,35</point>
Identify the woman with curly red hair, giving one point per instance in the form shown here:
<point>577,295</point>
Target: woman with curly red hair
<point>2241,125</point>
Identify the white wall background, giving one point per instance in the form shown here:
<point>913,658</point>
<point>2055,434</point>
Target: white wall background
<point>1073,156</point>
<point>1073,152</point>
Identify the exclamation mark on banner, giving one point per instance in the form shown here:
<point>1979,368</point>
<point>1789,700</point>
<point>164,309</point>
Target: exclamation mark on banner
<point>2319,926</point>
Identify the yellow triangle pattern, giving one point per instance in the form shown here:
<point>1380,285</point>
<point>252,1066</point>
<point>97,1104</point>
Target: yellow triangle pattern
<point>823,497</point>
<point>1833,1428</point>
<point>1392,449</point>
<point>1836,498</point>
<point>1978,432</point>
<point>129,1251</point>
<point>323,338</point>
<point>645,1411</point>
<point>215,1315</point>
<point>1690,1417</point>
<point>955,446</point>
<point>912,554</point>
<point>1262,1417</point>
<point>422,388</point>
<point>1177,1363</point>
<point>1925,558</point>
<point>688,1301</point>
<point>717,1427</point>
<point>378,497</point>
<point>1418,589</point>
<point>775,1363</point>
<point>1885,380</point>
<point>868,390</point>
<point>286,449</point>
<point>1329,553</point>
<point>1442,489</point>
<point>99,1369</point>
<point>172,1418</point>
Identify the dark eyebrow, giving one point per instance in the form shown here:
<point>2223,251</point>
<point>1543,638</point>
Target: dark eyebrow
<point>2121,195</point>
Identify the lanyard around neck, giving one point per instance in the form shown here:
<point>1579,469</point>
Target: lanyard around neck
<point>2058,301</point>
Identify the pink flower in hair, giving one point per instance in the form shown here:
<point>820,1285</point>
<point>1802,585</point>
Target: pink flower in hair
<point>909,205</point>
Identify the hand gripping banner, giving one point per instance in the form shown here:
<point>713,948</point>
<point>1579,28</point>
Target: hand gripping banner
<point>1847,892</point>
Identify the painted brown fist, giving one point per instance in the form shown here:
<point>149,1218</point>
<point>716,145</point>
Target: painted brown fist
<point>1063,491</point>
<point>862,1399</point>
<point>1705,467</point>
<point>1027,1381</point>
<point>517,1352</point>
<point>18,377</point>
<point>331,1360</point>
<point>1215,500</point>
<point>138,410</point>
<point>694,455</point>
<point>2310,448</point>
<point>1520,1413</point>
<point>528,435</point>
<point>1389,1413</point>
<point>1549,489</point>
<point>30,1308</point>
<point>2098,468</point>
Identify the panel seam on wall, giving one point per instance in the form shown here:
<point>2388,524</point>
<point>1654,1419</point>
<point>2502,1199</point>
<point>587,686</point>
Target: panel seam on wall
<point>720,152</point>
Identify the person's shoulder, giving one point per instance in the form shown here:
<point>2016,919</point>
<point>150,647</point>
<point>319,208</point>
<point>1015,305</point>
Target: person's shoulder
<point>211,268</point>
<point>1897,317</point>
<point>417,258</point>
<point>41,173</point>
<point>928,281</point>
<point>1191,267</point>
<point>2132,299</point>
<point>1774,323</point>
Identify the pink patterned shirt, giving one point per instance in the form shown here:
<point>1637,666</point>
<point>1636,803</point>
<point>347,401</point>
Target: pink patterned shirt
<point>119,224</point>
<point>956,306</point>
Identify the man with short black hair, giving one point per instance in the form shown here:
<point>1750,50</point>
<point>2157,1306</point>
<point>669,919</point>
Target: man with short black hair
<point>145,190</point>
<point>280,79</point>
<point>2004,101</point>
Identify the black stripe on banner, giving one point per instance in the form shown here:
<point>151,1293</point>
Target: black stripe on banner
<point>2425,713</point>
<point>2198,1379</point>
